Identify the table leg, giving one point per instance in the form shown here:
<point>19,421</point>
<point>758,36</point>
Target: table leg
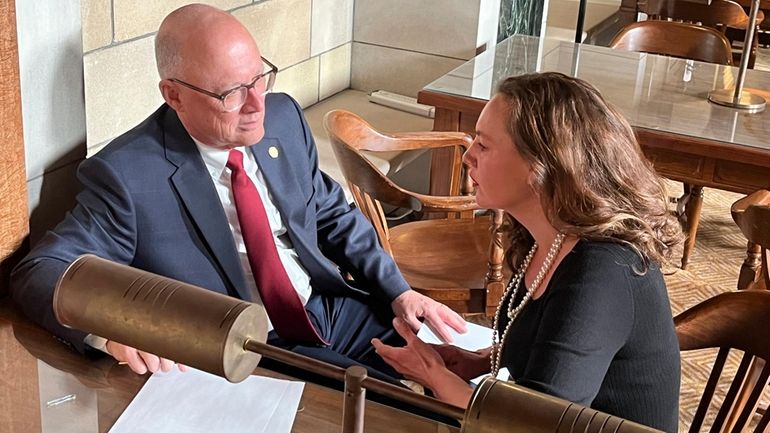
<point>750,266</point>
<point>692,215</point>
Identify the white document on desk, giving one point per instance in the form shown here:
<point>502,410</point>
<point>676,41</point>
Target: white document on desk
<point>195,401</point>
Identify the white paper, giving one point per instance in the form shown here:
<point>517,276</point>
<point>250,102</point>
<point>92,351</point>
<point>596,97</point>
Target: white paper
<point>196,401</point>
<point>477,337</point>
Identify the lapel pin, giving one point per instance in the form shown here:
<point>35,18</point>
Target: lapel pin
<point>273,152</point>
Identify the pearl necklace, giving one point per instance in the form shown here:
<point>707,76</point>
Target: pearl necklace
<point>512,290</point>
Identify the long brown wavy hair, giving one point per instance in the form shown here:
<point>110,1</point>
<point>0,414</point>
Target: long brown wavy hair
<point>593,179</point>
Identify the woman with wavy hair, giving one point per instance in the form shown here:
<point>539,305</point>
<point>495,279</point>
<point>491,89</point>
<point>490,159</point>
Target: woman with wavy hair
<point>586,315</point>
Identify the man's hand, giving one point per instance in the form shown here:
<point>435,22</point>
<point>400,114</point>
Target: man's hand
<point>140,362</point>
<point>410,306</point>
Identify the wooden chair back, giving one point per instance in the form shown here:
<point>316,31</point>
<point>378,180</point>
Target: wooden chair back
<point>731,321</point>
<point>350,135</point>
<point>726,16</point>
<point>720,14</point>
<point>457,261</point>
<point>683,40</point>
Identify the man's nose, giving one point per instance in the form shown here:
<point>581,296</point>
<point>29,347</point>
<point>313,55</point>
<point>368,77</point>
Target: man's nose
<point>255,100</point>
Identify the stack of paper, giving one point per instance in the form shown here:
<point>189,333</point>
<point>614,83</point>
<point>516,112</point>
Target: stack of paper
<point>195,401</point>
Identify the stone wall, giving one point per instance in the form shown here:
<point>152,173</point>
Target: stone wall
<point>402,45</point>
<point>309,41</point>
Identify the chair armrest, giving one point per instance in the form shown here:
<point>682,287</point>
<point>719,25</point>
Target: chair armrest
<point>455,203</point>
<point>429,140</point>
<point>759,198</point>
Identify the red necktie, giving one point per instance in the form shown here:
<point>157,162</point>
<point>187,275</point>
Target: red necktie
<point>278,295</point>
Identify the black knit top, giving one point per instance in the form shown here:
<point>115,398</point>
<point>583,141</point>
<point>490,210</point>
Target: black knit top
<point>601,335</point>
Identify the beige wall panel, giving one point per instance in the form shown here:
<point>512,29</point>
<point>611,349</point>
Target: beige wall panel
<point>281,28</point>
<point>134,18</point>
<point>563,13</point>
<point>399,71</point>
<point>300,81</point>
<point>335,71</point>
<point>121,89</point>
<point>97,23</point>
<point>332,25</point>
<point>443,27</point>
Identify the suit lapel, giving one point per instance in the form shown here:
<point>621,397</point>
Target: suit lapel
<point>279,174</point>
<point>198,195</point>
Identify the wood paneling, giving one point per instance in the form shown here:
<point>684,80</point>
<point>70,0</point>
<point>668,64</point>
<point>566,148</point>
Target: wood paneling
<point>19,398</point>
<point>14,216</point>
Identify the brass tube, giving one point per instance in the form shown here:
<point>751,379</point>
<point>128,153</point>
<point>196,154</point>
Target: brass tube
<point>501,406</point>
<point>355,396</point>
<point>159,315</point>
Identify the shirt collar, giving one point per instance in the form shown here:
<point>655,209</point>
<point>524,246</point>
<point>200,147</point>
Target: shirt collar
<point>216,158</point>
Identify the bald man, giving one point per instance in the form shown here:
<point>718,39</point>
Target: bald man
<point>175,196</point>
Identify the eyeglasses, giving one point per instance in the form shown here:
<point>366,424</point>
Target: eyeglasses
<point>234,98</point>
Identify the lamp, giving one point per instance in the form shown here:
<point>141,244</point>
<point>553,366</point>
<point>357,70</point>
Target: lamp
<point>737,97</point>
<point>226,336</point>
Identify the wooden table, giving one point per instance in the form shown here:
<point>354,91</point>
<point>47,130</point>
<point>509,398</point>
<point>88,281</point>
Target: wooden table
<point>687,138</point>
<point>35,369</point>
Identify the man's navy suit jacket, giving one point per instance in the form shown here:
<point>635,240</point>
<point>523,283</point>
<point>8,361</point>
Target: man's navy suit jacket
<point>149,202</point>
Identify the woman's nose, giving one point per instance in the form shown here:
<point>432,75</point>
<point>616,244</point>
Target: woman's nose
<point>467,156</point>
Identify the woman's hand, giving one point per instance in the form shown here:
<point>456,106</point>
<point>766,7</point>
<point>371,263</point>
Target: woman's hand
<point>417,360</point>
<point>420,362</point>
<point>464,363</point>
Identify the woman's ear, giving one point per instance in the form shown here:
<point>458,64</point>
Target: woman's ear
<point>532,177</point>
<point>170,94</point>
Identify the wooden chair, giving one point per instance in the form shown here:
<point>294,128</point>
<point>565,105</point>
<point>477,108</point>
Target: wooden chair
<point>764,8</point>
<point>726,16</point>
<point>754,269</point>
<point>456,261</point>
<point>732,321</point>
<point>688,41</point>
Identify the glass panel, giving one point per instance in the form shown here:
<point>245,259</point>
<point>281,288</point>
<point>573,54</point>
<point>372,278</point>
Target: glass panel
<point>654,92</point>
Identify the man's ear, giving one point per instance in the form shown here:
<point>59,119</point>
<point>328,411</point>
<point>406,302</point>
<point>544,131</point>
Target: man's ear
<point>170,94</point>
